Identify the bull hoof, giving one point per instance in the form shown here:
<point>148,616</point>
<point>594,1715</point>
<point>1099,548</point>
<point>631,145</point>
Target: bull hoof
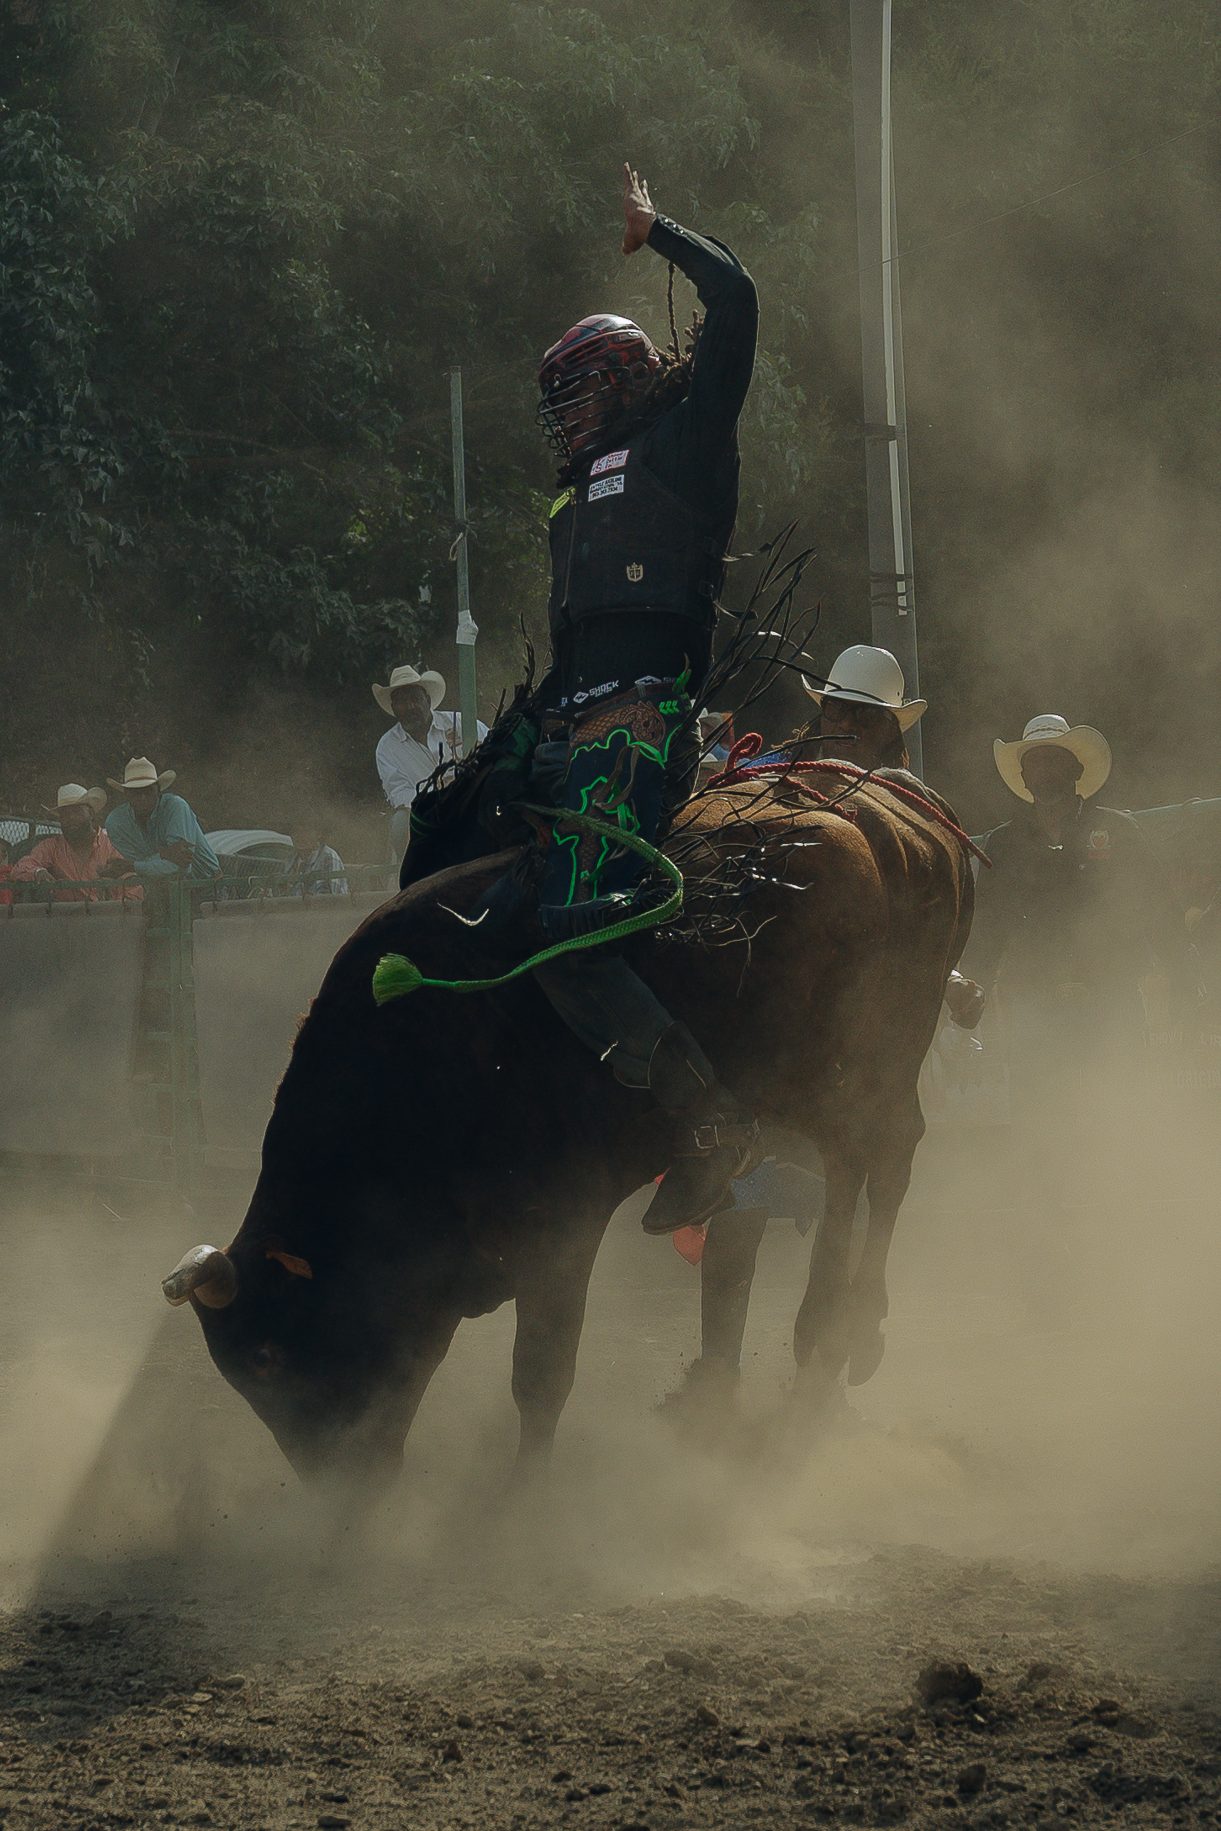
<point>866,1357</point>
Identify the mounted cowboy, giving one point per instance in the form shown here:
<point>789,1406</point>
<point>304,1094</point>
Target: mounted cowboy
<point>1075,911</point>
<point>863,709</point>
<point>420,740</point>
<point>649,467</point>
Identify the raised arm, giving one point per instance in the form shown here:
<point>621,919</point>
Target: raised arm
<point>725,356</point>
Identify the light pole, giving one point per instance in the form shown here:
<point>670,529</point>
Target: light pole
<point>468,629</point>
<point>892,602</point>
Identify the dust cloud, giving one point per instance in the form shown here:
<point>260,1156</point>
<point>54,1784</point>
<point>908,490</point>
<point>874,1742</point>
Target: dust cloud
<point>1047,1391</point>
<point>1028,1485</point>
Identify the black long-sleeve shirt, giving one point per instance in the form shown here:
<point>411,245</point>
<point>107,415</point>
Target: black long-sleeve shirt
<point>693,450</point>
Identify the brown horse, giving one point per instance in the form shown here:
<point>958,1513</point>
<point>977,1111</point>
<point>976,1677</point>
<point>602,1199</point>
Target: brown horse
<point>431,1159</point>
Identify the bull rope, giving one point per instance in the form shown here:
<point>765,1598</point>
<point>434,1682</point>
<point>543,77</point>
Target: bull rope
<point>395,975</point>
<point>739,768</point>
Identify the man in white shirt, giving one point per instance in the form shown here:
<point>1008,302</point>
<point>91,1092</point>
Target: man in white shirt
<point>410,751</point>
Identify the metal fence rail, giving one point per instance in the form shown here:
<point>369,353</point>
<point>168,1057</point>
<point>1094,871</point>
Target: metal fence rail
<point>122,1015</point>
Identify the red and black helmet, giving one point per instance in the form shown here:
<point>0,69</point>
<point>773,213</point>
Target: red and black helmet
<point>587,375</point>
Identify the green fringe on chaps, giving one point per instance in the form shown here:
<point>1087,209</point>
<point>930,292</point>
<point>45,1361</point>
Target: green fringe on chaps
<point>395,976</point>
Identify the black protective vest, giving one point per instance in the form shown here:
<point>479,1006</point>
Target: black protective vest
<point>620,540</point>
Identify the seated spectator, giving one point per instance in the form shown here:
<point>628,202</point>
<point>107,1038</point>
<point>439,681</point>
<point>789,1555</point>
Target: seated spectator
<point>316,868</point>
<point>79,855</point>
<point>156,834</point>
<point>422,738</point>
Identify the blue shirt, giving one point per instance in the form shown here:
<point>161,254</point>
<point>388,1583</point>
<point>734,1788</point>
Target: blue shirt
<point>170,819</point>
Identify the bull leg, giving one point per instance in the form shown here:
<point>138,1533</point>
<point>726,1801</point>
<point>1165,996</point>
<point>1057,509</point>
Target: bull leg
<point>550,1313</point>
<point>821,1335</point>
<point>869,1303</point>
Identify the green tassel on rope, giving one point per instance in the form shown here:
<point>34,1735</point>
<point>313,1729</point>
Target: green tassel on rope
<point>395,975</point>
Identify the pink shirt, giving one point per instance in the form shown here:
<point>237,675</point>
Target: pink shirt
<point>57,856</point>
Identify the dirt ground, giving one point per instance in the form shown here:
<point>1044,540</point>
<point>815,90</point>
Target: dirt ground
<point>987,1595</point>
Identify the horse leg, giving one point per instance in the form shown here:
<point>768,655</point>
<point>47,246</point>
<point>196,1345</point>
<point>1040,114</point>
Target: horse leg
<point>550,1312</point>
<point>869,1303</point>
<point>727,1272</point>
<point>820,1337</point>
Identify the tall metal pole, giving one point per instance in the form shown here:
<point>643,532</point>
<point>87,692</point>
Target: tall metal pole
<point>468,629</point>
<point>892,603</point>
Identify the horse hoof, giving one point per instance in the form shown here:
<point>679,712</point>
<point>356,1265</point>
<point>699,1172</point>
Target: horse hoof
<point>704,1383</point>
<point>866,1358</point>
<point>705,1400</point>
<point>816,1385</point>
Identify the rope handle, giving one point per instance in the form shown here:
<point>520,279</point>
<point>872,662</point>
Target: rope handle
<point>738,769</point>
<point>395,975</point>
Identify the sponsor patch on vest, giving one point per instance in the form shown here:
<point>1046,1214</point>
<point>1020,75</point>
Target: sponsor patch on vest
<point>606,486</point>
<point>635,572</point>
<point>613,460</point>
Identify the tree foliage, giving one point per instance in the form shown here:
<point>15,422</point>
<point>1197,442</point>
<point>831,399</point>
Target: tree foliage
<point>243,241</point>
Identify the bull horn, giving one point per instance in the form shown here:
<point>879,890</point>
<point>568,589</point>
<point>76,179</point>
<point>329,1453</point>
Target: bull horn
<point>206,1273</point>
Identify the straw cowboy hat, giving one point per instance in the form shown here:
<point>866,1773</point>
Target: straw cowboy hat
<point>869,677</point>
<point>72,795</point>
<point>139,773</point>
<point>432,683</point>
<point>1088,746</point>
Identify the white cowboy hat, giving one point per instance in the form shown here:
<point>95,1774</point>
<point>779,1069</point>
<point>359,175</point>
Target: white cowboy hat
<point>1088,746</point>
<point>432,683</point>
<point>869,677</point>
<point>139,773</point>
<point>72,795</point>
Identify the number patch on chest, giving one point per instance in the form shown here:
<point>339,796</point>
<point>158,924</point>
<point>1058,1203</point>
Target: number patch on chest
<point>606,486</point>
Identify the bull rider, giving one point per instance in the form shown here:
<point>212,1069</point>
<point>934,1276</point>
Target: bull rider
<point>647,444</point>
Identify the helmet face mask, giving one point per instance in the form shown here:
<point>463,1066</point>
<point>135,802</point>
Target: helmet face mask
<point>588,380</point>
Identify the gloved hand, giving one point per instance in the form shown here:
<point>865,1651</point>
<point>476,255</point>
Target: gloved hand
<point>964,1000</point>
<point>561,921</point>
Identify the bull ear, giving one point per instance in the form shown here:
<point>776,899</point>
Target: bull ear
<point>299,1268</point>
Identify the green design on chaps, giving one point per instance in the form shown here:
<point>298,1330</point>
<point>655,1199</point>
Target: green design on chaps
<point>395,976</point>
<point>571,842</point>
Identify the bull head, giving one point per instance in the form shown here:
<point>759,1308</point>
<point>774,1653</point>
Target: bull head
<point>205,1273</point>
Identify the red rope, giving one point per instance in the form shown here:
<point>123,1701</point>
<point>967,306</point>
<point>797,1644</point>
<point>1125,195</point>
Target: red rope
<point>751,744</point>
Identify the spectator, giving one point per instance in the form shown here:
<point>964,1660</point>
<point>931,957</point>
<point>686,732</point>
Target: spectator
<point>78,855</point>
<point>420,740</point>
<point>6,872</point>
<point>156,834</point>
<point>316,868</point>
<point>863,711</point>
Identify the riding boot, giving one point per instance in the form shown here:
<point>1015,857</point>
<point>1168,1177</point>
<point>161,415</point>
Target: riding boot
<point>717,1141</point>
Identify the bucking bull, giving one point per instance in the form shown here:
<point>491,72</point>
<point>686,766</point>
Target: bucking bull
<point>433,1158</point>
